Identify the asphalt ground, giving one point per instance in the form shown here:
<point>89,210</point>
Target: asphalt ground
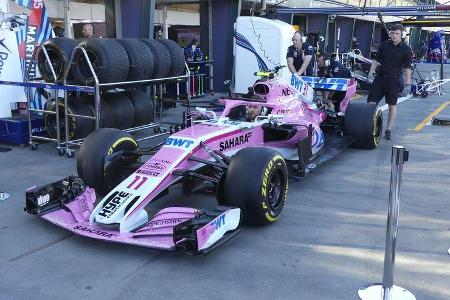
<point>328,242</point>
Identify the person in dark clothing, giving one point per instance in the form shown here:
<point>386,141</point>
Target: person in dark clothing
<point>193,52</point>
<point>332,68</point>
<point>393,57</point>
<point>88,31</point>
<point>355,44</point>
<point>299,56</point>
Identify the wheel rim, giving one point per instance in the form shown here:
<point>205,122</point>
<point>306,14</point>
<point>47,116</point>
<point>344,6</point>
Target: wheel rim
<point>378,130</point>
<point>275,189</point>
<point>113,172</point>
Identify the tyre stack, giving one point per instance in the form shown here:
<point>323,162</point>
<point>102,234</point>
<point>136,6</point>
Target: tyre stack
<point>113,60</point>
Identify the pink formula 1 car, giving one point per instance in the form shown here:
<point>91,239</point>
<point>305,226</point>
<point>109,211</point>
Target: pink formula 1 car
<point>247,163</point>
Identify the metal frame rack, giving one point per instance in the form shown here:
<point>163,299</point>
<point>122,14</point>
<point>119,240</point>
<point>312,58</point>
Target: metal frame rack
<point>65,147</point>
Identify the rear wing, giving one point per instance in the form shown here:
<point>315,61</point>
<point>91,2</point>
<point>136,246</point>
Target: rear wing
<point>332,84</point>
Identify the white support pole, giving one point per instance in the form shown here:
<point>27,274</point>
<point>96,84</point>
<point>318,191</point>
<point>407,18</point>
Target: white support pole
<point>164,21</point>
<point>67,23</point>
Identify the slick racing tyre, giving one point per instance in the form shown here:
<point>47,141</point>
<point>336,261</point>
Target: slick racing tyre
<point>177,57</point>
<point>99,162</point>
<point>257,182</point>
<point>364,122</point>
<point>59,51</point>
<point>143,107</point>
<point>122,110</point>
<point>105,110</point>
<point>140,58</point>
<point>161,57</point>
<point>109,61</point>
<point>78,127</point>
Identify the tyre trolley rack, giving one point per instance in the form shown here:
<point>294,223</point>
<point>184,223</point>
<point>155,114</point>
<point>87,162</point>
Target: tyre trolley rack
<point>65,146</point>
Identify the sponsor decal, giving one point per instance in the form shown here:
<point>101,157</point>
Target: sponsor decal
<point>29,47</point>
<point>113,203</point>
<point>43,199</point>
<point>179,142</point>
<point>149,173</point>
<point>139,181</point>
<point>286,92</point>
<point>94,231</point>
<point>38,4</point>
<point>218,222</point>
<point>235,141</point>
<point>162,223</point>
<point>296,82</point>
<point>224,122</point>
<point>36,129</point>
<point>163,161</point>
<point>318,139</point>
<point>283,111</point>
<point>3,55</point>
<point>266,179</point>
<point>152,165</point>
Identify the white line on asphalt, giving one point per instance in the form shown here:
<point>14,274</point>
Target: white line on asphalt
<point>400,100</point>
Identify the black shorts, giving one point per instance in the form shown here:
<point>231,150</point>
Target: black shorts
<point>387,87</point>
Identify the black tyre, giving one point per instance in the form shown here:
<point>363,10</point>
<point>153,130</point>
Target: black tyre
<point>95,163</point>
<point>59,51</point>
<point>364,122</point>
<point>256,182</point>
<point>122,110</point>
<point>140,57</point>
<point>424,94</point>
<point>78,127</point>
<point>109,61</point>
<point>161,57</point>
<point>143,107</point>
<point>177,57</point>
<point>105,110</point>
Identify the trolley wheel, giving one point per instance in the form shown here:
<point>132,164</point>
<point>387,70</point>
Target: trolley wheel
<point>424,94</point>
<point>70,153</point>
<point>61,151</point>
<point>33,146</point>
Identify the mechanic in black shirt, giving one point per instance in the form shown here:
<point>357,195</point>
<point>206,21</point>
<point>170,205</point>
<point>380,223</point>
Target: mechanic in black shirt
<point>335,69</point>
<point>299,56</point>
<point>393,57</point>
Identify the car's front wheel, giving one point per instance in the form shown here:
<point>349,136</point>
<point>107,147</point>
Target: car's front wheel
<point>99,161</point>
<point>256,182</point>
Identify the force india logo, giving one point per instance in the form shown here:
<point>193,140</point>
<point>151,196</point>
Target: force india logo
<point>235,141</point>
<point>113,203</point>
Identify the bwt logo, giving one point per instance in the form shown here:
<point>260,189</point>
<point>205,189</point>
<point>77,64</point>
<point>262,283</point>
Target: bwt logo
<point>43,199</point>
<point>296,82</point>
<point>177,142</point>
<point>218,222</point>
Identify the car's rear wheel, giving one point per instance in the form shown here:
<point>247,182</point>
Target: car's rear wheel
<point>364,122</point>
<point>100,162</point>
<point>256,182</point>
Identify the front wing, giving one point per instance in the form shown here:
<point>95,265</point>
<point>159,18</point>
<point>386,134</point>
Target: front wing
<point>195,230</point>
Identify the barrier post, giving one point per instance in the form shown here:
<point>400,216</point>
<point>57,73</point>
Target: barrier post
<point>387,290</point>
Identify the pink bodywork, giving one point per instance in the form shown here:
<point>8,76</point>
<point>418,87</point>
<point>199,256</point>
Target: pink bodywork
<point>282,98</point>
<point>157,233</point>
<point>156,174</point>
